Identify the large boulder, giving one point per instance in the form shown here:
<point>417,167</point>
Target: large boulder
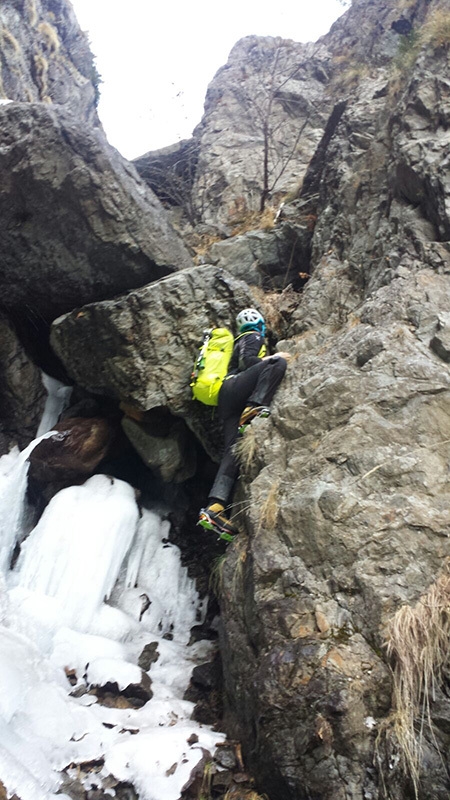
<point>72,452</point>
<point>140,348</point>
<point>170,453</point>
<point>78,224</point>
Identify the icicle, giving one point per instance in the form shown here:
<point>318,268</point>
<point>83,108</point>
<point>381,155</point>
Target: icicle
<point>75,552</point>
<point>155,568</point>
<point>13,487</point>
<point>58,397</point>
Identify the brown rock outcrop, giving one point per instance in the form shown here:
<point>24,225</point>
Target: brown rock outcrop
<point>72,453</point>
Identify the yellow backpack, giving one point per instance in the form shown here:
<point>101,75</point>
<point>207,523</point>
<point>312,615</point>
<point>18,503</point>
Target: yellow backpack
<point>211,365</point>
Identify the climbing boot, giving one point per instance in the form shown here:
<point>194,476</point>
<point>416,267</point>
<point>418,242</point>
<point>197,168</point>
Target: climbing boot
<point>250,413</point>
<point>214,519</point>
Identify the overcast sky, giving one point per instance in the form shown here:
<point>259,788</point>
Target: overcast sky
<point>156,58</point>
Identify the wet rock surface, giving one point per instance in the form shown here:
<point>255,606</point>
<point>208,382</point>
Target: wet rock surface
<point>22,393</point>
<point>72,452</point>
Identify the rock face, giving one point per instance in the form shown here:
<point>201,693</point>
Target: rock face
<point>348,489</point>
<point>44,56</point>
<point>22,395</point>
<point>344,490</point>
<point>140,348</point>
<point>77,223</point>
<point>264,115</point>
<point>265,111</point>
<point>106,232</point>
<point>349,519</point>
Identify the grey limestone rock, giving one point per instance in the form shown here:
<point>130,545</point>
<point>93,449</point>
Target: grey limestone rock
<point>140,348</point>
<point>270,97</point>
<point>261,258</point>
<point>173,455</point>
<point>347,493</point>
<point>348,518</point>
<point>78,224</point>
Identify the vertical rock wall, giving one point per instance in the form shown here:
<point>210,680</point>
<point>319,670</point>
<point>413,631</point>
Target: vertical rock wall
<point>347,491</point>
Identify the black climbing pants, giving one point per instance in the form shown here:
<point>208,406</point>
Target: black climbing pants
<point>254,386</point>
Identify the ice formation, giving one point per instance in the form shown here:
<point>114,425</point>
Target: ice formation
<point>58,397</point>
<point>13,487</point>
<point>96,581</point>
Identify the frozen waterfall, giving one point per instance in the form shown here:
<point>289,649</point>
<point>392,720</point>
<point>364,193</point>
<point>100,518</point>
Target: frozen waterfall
<point>74,601</point>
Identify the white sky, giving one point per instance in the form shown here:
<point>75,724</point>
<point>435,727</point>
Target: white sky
<point>157,57</point>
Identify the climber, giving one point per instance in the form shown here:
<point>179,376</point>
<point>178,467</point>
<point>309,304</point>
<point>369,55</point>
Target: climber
<point>246,393</point>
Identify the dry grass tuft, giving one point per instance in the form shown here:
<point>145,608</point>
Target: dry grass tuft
<point>436,30</point>
<point>31,12</point>
<point>8,38</point>
<point>216,575</point>
<point>41,72</point>
<point>201,243</point>
<point>245,449</point>
<point>276,306</point>
<point>350,77</point>
<point>418,643</point>
<point>270,508</point>
<point>242,219</point>
<point>252,220</point>
<point>240,556</point>
<point>50,37</point>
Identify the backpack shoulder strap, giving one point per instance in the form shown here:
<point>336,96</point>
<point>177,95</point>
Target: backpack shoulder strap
<point>262,350</point>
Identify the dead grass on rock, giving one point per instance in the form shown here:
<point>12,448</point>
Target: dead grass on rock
<point>277,307</point>
<point>418,643</point>
<point>246,448</point>
<point>270,508</point>
<point>436,30</point>
<point>243,220</point>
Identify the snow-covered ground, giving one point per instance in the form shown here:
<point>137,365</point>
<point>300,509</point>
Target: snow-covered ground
<point>74,601</point>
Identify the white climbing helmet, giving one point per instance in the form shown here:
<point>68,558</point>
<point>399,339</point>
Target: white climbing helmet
<point>249,318</point>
